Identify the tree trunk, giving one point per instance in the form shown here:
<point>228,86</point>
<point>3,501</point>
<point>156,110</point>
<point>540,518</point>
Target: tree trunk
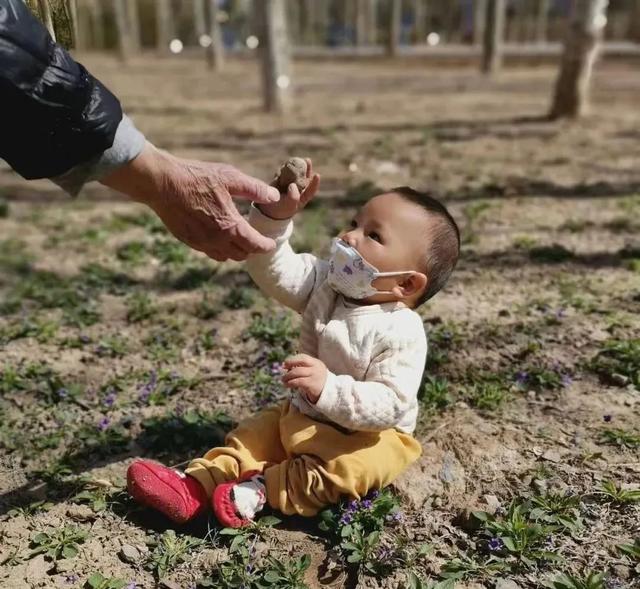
<point>542,20</point>
<point>479,21</point>
<point>493,36</point>
<point>215,50</point>
<point>395,23</point>
<point>123,29</point>
<point>47,18</point>
<point>134,24</point>
<point>634,24</point>
<point>307,32</point>
<point>199,19</point>
<point>164,28</point>
<point>580,50</point>
<point>361,22</point>
<point>321,19</point>
<point>94,8</point>
<point>420,16</point>
<point>372,22</point>
<point>275,55</point>
<point>73,18</point>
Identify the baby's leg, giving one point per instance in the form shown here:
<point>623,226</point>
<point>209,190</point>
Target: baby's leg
<point>253,445</point>
<point>325,463</point>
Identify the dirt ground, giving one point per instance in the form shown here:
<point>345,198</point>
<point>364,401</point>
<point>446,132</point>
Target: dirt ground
<point>116,343</point>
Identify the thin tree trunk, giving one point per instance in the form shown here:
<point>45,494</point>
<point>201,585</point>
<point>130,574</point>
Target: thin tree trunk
<point>123,29</point>
<point>199,19</point>
<point>395,23</point>
<point>634,25</point>
<point>215,50</point>
<point>164,28</point>
<point>372,22</point>
<point>479,21</point>
<point>73,18</point>
<point>321,19</point>
<point>47,18</point>
<point>361,22</point>
<point>97,23</point>
<point>420,16</point>
<point>542,20</point>
<point>307,32</point>
<point>275,56</point>
<point>580,50</point>
<point>133,15</point>
<point>493,36</point>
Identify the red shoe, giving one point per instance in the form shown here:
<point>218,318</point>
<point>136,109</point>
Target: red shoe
<point>225,502</point>
<point>180,497</point>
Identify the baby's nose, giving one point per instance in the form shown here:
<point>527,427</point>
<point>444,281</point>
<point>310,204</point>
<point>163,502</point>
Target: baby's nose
<point>350,238</point>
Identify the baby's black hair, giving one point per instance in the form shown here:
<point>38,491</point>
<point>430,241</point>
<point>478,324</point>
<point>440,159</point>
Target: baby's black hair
<point>444,241</point>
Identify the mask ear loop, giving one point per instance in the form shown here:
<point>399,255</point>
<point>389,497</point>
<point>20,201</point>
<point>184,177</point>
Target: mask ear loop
<point>386,274</point>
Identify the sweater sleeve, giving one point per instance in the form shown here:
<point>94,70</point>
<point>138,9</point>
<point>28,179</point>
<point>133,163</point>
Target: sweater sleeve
<point>288,277</point>
<point>388,394</point>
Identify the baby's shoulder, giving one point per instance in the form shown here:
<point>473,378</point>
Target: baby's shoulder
<point>402,327</point>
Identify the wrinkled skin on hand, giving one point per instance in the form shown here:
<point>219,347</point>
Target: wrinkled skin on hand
<point>195,201</point>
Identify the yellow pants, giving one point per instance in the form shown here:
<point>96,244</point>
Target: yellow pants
<point>307,464</point>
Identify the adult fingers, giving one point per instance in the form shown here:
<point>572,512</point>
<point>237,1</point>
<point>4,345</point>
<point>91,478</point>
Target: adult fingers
<point>241,185</point>
<point>250,240</point>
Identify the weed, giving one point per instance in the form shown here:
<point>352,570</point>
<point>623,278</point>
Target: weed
<point>97,495</point>
<point>552,254</point>
<point>358,527</point>
<point>159,386</point>
<point>170,251</point>
<point>487,395</point>
<point>614,493</point>
<point>4,207</point>
<point>190,432</point>
<point>99,581</point>
<point>434,393</point>
<point>576,225</point>
<point>524,242</point>
<point>266,384</point>
<point>15,257</point>
<point>621,437</point>
<point>140,307</point>
<point>132,253</point>
<point>43,330</point>
<point>59,543</point>
<point>465,567</point>
<point>164,343</point>
<point>240,298</point>
<point>442,338</point>
<point>632,550</point>
<point>588,580</point>
<point>277,332</point>
<point>170,550</point>
<point>31,509</point>
<point>557,509</point>
<point>618,357</point>
<point>194,277</point>
<point>538,378</point>
<point>207,308</point>
<point>112,346</point>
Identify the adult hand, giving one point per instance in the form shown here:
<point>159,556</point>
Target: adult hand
<point>194,201</point>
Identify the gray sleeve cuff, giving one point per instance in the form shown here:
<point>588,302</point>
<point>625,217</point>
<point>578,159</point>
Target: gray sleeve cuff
<point>127,145</point>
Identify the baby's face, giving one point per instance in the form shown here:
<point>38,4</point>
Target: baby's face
<point>389,232</point>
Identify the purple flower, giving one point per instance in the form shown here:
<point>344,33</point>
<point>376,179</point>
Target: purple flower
<point>560,313</point>
<point>495,544</point>
<point>276,369</point>
<point>72,578</point>
<point>521,378</point>
<point>132,585</point>
<point>103,424</point>
<point>346,518</point>
<point>374,494</point>
<point>63,393</point>
<point>84,339</point>
<point>607,418</point>
<point>110,399</point>
<point>353,506</point>
<point>566,380</point>
<point>366,504</point>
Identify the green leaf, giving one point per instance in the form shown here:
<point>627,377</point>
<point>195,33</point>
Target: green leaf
<point>269,520</point>
<point>354,557</point>
<point>231,531</point>
<point>415,582</point>
<point>96,580</point>
<point>273,577</point>
<point>69,551</point>
<point>483,516</point>
<point>41,538</point>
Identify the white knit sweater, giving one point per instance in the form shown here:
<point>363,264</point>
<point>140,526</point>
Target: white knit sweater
<point>375,354</point>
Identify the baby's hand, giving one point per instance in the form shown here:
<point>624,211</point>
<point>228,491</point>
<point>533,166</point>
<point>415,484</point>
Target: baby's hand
<point>306,373</point>
<point>292,202</point>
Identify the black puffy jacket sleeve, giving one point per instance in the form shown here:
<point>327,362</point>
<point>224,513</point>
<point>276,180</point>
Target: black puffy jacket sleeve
<point>53,114</point>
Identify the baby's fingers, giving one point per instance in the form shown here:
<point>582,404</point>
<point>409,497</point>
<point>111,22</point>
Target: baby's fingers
<point>310,191</point>
<point>298,360</point>
<point>296,373</point>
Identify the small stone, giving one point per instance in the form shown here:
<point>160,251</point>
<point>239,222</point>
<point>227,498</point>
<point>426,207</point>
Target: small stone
<point>506,584</point>
<point>64,566</point>
<point>436,502</point>
<point>293,171</point>
<point>493,503</point>
<point>170,585</point>
<point>540,485</point>
<point>552,456</point>
<point>80,513</point>
<point>129,554</point>
<point>619,379</point>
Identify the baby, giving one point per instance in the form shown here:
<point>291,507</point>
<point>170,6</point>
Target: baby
<point>347,428</point>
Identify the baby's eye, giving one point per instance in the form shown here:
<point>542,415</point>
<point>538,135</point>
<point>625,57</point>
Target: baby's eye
<point>354,224</point>
<point>375,236</point>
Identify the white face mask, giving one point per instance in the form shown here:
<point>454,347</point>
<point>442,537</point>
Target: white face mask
<point>351,275</point>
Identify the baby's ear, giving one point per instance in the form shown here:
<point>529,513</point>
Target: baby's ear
<point>410,285</point>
